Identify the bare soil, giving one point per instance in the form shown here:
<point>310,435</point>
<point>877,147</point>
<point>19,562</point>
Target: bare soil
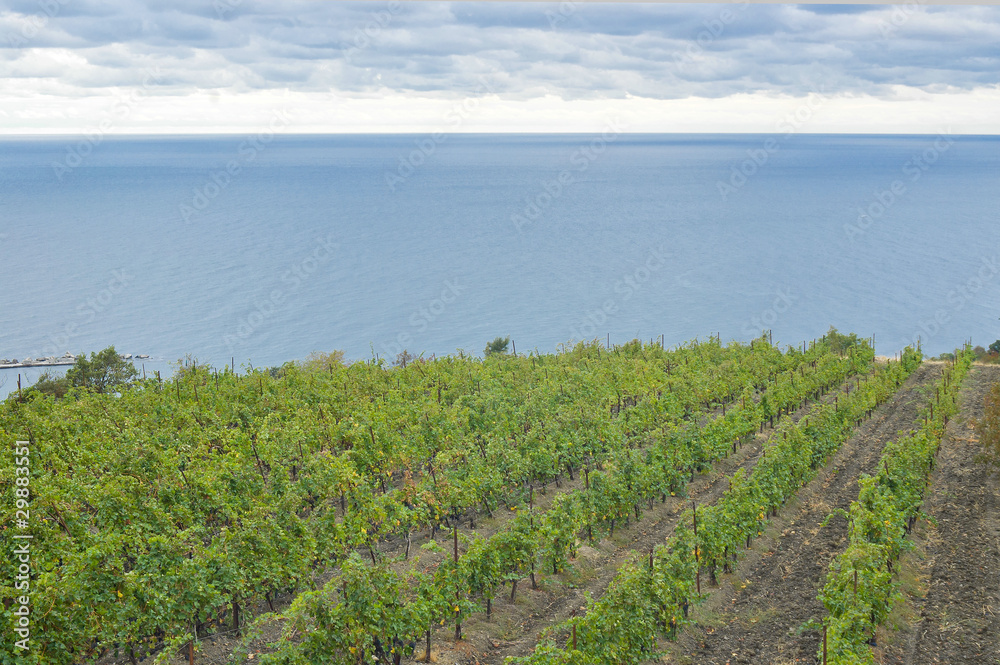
<point>952,614</point>
<point>767,610</point>
<point>514,628</point>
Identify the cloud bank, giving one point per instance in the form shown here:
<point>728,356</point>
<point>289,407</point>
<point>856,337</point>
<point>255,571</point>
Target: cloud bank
<point>193,66</point>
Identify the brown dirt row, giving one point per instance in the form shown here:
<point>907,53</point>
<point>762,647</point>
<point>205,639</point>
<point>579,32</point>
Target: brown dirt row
<point>513,629</point>
<point>953,610</point>
<point>766,611</point>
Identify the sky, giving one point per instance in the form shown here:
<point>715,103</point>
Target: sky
<point>233,66</point>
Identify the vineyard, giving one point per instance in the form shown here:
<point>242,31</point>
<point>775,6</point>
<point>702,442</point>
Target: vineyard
<point>595,506</point>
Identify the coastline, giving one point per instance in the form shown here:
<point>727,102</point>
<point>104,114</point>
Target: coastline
<point>41,363</point>
<point>52,361</point>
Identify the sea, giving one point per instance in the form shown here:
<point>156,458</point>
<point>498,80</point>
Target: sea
<point>256,250</point>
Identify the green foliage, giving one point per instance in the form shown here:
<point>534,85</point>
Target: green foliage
<point>839,342</point>
<point>52,385</point>
<point>160,507</point>
<point>103,371</point>
<point>497,347</point>
<point>323,362</point>
<point>988,356</point>
<point>370,612</point>
<point>860,590</point>
<point>648,599</point>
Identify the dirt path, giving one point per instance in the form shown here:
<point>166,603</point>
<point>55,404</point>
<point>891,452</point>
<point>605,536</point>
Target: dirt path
<point>514,629</point>
<point>761,613</point>
<point>958,620</point>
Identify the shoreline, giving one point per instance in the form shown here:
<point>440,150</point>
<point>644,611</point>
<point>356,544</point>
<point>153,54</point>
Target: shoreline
<point>62,361</point>
<point>42,363</point>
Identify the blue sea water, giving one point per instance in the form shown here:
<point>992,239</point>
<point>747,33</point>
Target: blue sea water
<point>226,248</point>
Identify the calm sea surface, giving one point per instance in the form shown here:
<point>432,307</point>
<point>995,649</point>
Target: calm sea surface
<point>223,247</point>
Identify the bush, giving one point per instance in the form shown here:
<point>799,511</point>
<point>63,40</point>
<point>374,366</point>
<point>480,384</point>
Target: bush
<point>839,342</point>
<point>403,359</point>
<point>319,361</point>
<point>498,345</point>
<point>51,385</point>
<point>988,427</point>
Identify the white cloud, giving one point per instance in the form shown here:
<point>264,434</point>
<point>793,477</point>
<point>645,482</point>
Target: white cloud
<point>394,65</point>
<point>907,111</point>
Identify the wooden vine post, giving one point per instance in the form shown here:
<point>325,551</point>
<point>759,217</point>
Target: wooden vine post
<point>458,621</point>
<point>236,616</point>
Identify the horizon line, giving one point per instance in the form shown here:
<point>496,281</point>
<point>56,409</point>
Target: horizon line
<point>165,134</point>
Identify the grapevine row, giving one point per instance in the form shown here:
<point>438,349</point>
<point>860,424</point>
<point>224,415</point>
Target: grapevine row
<point>630,478</point>
<point>860,589</point>
<point>651,598</point>
<point>162,510</point>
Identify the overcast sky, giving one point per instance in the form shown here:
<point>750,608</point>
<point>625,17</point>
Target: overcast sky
<point>145,66</point>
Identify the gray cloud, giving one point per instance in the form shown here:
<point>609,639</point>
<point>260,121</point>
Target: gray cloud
<point>575,51</point>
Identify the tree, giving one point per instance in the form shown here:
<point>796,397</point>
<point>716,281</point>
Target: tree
<point>839,342</point>
<point>995,347</point>
<point>51,385</point>
<point>102,371</point>
<point>498,345</point>
<point>403,359</point>
<point>317,360</point>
